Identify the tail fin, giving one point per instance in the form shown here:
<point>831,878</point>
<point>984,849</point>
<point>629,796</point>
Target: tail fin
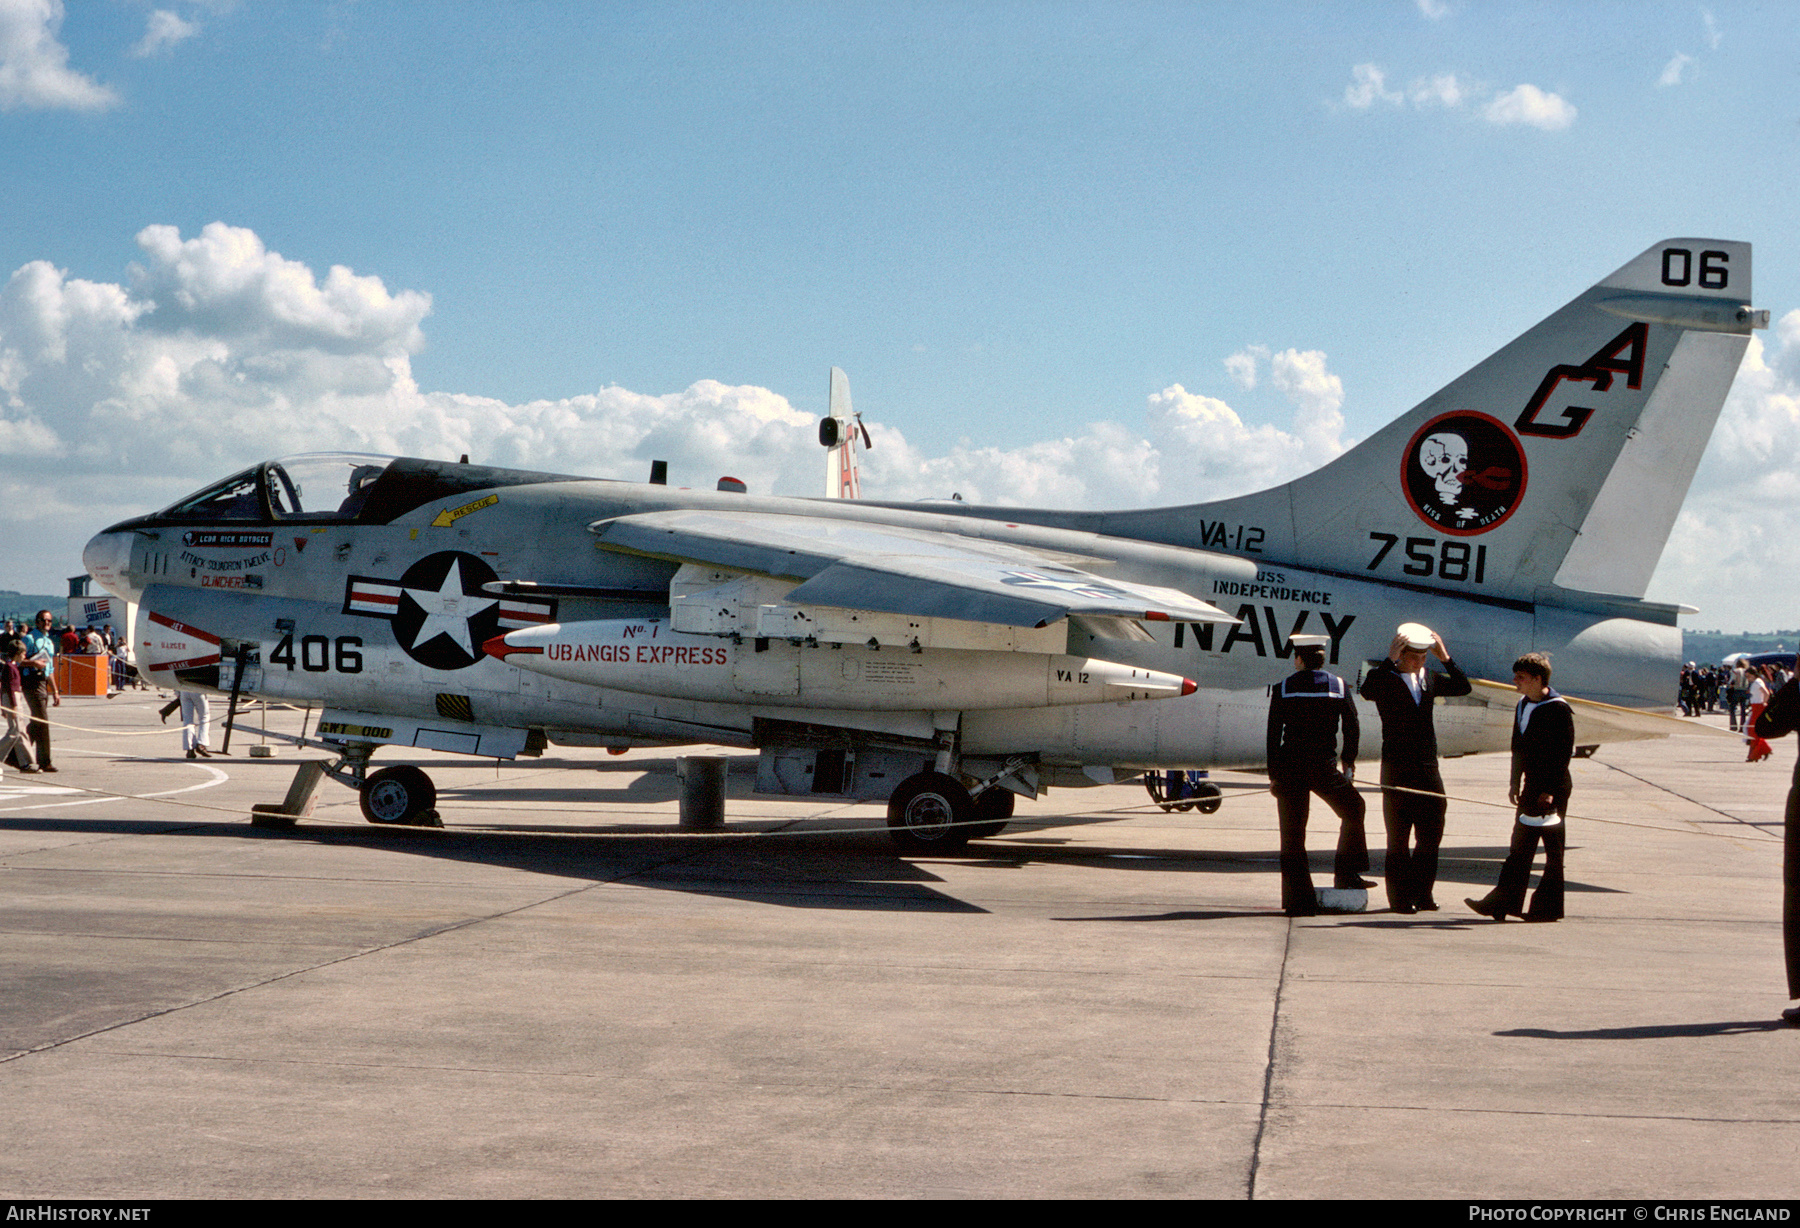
<point>841,432</point>
<point>1558,463</point>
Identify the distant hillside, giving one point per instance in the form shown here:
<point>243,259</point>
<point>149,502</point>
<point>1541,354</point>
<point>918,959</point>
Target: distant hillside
<point>24,606</point>
<point>1707,647</point>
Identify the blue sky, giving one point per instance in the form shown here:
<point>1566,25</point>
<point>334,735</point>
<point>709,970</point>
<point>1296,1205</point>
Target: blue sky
<point>1030,232</point>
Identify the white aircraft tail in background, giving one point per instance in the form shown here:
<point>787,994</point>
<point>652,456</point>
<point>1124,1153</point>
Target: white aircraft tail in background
<point>842,433</point>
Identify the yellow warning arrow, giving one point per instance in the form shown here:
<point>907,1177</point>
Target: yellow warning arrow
<point>450,516</point>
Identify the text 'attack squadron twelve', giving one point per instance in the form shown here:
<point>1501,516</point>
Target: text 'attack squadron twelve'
<point>948,657</point>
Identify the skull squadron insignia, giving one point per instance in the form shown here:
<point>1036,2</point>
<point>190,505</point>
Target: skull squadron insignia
<point>1465,473</point>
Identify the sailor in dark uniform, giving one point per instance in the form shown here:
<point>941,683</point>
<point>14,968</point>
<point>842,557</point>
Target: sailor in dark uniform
<point>1412,791</point>
<point>1543,741</point>
<point>1306,710</point>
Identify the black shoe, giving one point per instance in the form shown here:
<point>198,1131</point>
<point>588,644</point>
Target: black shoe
<point>191,754</point>
<point>48,768</point>
<point>1791,1016</point>
<point>1405,910</point>
<point>1428,906</point>
<point>1477,906</point>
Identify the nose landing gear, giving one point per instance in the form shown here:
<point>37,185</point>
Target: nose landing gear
<point>401,795</point>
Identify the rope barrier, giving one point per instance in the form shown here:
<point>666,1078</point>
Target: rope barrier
<point>1022,822</point>
<point>1016,821</point>
<point>26,719</point>
<point>1482,801</point>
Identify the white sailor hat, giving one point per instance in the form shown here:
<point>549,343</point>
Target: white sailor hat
<point>1310,641</point>
<point>1418,636</point>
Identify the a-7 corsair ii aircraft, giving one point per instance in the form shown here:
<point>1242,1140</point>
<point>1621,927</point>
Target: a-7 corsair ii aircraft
<point>948,657</point>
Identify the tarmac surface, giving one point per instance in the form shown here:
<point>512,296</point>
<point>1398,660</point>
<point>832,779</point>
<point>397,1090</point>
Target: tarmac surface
<point>562,995</point>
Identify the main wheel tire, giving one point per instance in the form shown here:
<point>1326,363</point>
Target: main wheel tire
<point>397,795</point>
<point>927,812</point>
<point>992,809</point>
<point>1211,798</point>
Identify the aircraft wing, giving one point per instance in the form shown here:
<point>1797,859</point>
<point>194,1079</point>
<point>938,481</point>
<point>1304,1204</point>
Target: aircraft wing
<point>896,570</point>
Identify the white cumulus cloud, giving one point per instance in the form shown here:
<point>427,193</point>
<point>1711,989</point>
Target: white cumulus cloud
<point>1206,451</point>
<point>1527,104</point>
<point>34,65</point>
<point>1317,395</point>
<point>1242,366</point>
<point>163,31</point>
<point>1443,90</point>
<point>1368,87</point>
<point>226,282</point>
<point>1732,548</point>
<point>1671,73</point>
<point>1523,104</point>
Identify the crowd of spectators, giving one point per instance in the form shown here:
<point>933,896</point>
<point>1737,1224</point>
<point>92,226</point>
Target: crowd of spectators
<point>79,641</point>
<point>1707,688</point>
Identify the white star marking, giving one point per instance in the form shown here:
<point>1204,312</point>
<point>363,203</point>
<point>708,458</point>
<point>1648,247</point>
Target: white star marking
<point>448,610</point>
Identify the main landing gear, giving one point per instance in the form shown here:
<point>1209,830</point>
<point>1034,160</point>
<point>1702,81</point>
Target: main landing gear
<point>933,813</point>
<point>929,813</point>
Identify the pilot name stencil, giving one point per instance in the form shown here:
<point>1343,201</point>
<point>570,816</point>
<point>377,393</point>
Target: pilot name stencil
<point>226,539</point>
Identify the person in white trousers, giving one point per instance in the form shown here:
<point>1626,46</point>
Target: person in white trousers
<point>195,714</point>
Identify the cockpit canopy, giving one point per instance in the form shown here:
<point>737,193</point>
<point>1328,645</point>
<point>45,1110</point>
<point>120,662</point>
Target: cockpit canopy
<point>316,486</point>
<point>339,487</point>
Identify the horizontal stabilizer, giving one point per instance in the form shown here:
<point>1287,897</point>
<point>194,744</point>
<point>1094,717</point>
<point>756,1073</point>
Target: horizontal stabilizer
<point>1600,724</point>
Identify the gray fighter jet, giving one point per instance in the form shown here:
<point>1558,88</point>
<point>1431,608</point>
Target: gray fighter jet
<point>948,657</point>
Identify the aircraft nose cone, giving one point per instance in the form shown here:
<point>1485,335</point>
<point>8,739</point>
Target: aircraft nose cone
<point>107,558</point>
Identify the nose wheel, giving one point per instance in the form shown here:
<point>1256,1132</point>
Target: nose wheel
<point>401,795</point>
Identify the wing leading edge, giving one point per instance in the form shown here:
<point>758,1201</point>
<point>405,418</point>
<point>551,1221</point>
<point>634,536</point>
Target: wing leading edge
<point>897,570</point>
